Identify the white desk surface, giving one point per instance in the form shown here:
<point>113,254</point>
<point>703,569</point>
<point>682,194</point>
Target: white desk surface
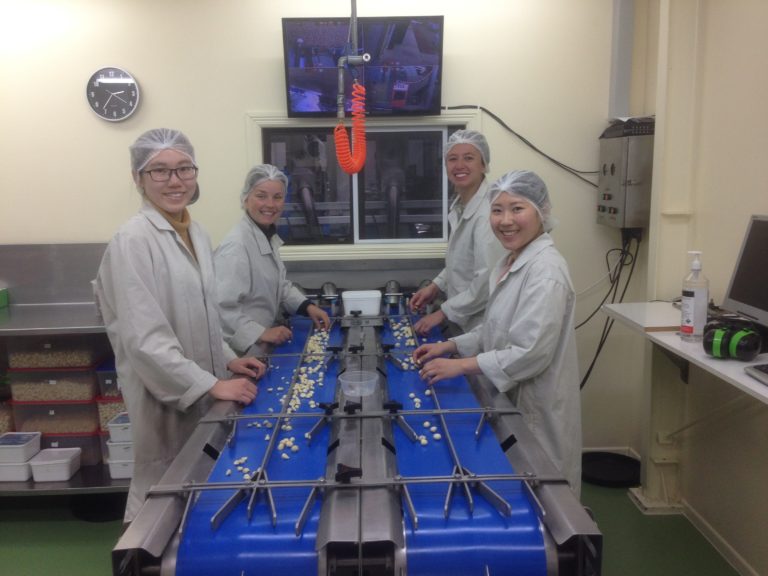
<point>659,322</point>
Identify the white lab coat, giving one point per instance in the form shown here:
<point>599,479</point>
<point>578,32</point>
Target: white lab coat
<point>252,284</point>
<point>159,306</point>
<point>472,251</point>
<point>526,347</point>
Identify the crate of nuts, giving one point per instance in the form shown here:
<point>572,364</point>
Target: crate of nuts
<point>6,418</point>
<point>57,351</point>
<point>108,409</point>
<point>33,385</point>
<point>106,374</point>
<point>73,417</point>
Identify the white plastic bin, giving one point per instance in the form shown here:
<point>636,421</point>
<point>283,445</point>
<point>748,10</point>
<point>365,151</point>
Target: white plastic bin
<point>120,428</point>
<point>368,302</point>
<point>55,464</point>
<point>120,469</point>
<point>120,450</point>
<point>15,472</point>
<point>18,447</point>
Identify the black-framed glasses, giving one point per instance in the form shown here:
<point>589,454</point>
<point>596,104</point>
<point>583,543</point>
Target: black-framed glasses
<point>164,174</point>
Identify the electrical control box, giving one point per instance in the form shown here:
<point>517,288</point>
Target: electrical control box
<point>626,168</point>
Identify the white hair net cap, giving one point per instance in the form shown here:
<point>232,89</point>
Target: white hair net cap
<point>152,142</point>
<point>258,174</point>
<point>530,186</point>
<point>474,138</point>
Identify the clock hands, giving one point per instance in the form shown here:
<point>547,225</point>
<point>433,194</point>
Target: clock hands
<point>114,94</point>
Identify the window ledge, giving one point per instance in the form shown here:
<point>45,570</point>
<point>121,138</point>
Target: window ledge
<point>393,251</point>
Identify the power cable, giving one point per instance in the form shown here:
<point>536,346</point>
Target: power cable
<point>628,234</point>
<point>531,145</point>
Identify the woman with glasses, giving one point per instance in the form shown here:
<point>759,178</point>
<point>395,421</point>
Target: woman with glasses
<point>472,248</point>
<point>251,278</point>
<point>157,294</point>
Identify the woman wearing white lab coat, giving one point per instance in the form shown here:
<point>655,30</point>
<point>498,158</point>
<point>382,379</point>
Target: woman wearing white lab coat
<point>526,344</point>
<point>156,292</point>
<point>472,247</point>
<point>251,277</point>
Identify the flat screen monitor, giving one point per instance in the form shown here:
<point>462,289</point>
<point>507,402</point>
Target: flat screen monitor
<point>747,293</point>
<point>403,76</point>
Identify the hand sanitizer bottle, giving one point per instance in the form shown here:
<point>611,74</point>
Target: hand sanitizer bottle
<point>694,302</point>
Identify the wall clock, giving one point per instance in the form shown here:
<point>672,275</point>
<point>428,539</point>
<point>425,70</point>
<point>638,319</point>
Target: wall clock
<point>112,93</point>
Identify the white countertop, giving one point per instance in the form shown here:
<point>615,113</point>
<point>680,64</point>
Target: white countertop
<point>660,321</point>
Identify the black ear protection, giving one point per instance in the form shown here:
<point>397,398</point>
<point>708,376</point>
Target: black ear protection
<point>732,338</point>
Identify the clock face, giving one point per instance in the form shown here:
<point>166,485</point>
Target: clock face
<point>112,93</point>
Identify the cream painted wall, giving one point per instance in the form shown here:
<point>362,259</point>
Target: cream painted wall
<point>711,86</point>
<point>203,65</point>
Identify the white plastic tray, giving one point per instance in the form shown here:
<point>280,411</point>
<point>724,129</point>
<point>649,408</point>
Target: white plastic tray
<point>119,469</point>
<point>55,464</point>
<point>18,447</point>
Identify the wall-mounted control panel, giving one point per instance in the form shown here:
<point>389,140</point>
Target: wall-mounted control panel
<point>626,168</point>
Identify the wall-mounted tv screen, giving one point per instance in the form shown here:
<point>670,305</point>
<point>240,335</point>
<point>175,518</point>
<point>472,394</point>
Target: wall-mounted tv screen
<point>403,76</point>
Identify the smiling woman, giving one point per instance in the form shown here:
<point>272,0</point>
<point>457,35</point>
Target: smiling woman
<point>155,289</point>
<point>251,278</point>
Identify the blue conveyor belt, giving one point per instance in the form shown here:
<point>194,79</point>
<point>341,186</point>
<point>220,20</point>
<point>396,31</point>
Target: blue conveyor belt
<point>461,544</point>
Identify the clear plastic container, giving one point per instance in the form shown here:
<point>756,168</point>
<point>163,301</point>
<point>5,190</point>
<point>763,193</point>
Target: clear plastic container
<point>56,418</point>
<point>55,464</point>
<point>62,351</point>
<point>358,382</point>
<point>6,418</point>
<point>109,387</point>
<point>108,409</point>
<point>52,385</point>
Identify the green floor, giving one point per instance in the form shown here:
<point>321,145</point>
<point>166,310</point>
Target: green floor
<point>635,544</point>
<point>42,536</point>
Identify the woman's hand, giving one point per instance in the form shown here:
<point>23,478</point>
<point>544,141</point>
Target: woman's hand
<point>237,389</point>
<point>445,368</point>
<point>425,324</point>
<point>319,317</point>
<point>427,352</point>
<point>276,335</point>
<point>424,296</point>
<point>247,366</point>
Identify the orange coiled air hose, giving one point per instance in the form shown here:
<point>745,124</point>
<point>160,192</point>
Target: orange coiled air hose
<point>352,161</point>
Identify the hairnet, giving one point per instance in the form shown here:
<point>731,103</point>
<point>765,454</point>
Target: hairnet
<point>152,142</point>
<point>474,138</point>
<point>259,174</point>
<point>530,186</point>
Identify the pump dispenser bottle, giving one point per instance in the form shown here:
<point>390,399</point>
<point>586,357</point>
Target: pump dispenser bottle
<point>694,302</point>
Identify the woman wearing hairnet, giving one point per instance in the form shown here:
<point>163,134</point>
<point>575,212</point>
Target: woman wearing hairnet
<point>526,344</point>
<point>472,249</point>
<point>252,284</point>
<point>156,292</point>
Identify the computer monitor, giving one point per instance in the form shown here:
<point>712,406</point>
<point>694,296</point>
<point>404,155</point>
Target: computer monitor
<point>747,293</point>
<point>402,78</point>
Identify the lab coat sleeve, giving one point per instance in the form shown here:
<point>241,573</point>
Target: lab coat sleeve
<point>470,343</point>
<point>233,284</point>
<point>150,342</point>
<point>292,297</point>
<point>440,280</point>
<point>531,337</point>
<point>472,301</point>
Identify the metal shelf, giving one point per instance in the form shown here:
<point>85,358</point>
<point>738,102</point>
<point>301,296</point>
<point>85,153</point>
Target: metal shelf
<point>87,480</point>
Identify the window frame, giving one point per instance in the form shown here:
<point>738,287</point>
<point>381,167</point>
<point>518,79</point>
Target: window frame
<point>364,250</point>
